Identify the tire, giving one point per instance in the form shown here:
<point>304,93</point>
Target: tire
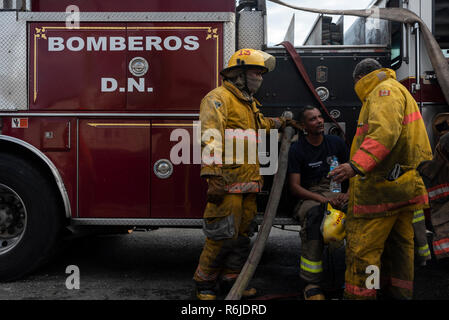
<point>30,221</point>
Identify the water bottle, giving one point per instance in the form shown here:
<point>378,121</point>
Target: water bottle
<point>334,186</point>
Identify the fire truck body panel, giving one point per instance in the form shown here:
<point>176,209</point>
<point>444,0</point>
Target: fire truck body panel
<point>103,118</point>
<point>99,59</point>
<point>13,145</point>
<point>413,67</point>
<point>108,185</point>
<point>328,71</point>
<point>116,117</point>
<point>416,71</point>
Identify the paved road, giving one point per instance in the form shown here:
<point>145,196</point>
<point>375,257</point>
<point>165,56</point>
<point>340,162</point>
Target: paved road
<point>159,264</point>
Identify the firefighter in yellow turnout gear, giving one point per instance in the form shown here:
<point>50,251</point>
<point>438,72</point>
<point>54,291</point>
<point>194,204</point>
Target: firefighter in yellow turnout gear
<point>234,181</point>
<point>390,142</point>
<point>435,175</point>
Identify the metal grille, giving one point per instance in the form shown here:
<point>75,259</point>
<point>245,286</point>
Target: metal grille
<point>228,42</point>
<point>15,5</point>
<point>251,30</point>
<point>13,63</point>
<point>132,16</point>
<point>164,222</point>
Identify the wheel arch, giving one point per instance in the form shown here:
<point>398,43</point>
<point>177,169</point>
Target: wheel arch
<point>22,148</point>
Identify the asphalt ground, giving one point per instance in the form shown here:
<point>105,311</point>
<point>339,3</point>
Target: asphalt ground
<point>159,265</point>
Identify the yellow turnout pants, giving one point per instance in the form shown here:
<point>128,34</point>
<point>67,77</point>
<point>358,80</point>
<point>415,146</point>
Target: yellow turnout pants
<point>379,254</point>
<point>227,246</point>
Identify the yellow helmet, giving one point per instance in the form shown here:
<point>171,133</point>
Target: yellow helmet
<point>333,227</point>
<point>249,58</point>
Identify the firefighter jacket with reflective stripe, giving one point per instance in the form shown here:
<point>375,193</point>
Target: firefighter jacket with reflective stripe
<point>390,142</point>
<point>435,174</point>
<point>234,119</point>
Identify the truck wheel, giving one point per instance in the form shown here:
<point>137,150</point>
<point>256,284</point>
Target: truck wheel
<point>29,217</point>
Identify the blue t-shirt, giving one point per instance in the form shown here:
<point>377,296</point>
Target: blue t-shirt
<point>313,162</point>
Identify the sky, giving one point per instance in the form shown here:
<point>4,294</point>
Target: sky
<point>278,17</point>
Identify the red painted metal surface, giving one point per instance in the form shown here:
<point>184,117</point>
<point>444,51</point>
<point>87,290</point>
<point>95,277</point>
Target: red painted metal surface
<point>88,69</point>
<point>114,168</point>
<point>408,82</point>
<point>71,80</point>
<point>116,160</point>
<point>56,149</point>
<point>179,78</point>
<point>430,92</point>
<point>137,5</point>
<point>182,195</point>
<point>114,176</point>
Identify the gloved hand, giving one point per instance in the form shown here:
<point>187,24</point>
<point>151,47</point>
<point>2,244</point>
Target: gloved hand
<point>216,189</point>
<point>339,201</point>
<point>290,123</point>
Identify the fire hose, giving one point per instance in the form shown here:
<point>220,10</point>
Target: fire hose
<point>402,15</point>
<point>270,212</point>
<point>441,68</point>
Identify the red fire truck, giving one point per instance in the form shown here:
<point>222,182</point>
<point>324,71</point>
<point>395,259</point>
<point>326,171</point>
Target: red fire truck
<point>91,91</point>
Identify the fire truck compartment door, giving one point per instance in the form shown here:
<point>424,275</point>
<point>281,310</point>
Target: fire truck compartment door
<point>114,168</point>
<point>182,193</point>
<point>55,135</point>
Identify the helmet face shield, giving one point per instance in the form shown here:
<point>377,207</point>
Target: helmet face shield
<point>246,58</point>
<point>269,61</point>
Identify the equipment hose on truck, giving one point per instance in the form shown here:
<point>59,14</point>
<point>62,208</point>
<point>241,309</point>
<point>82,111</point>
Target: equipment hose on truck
<point>441,68</point>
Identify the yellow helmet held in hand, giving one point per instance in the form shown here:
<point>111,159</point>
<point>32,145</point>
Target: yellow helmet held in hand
<point>333,226</point>
<point>245,58</point>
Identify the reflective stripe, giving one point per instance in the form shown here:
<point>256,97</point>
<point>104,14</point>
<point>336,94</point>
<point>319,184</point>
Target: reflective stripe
<point>441,246</point>
<point>362,130</point>
<point>311,266</point>
<point>404,284</point>
<point>364,160</point>
<point>424,251</point>
<point>205,277</point>
<point>375,148</point>
<point>412,117</point>
<point>418,215</point>
<point>389,206</point>
<point>349,288</point>
<point>241,187</point>
<point>439,191</point>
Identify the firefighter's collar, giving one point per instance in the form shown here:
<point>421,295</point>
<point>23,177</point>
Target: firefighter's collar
<point>239,94</point>
<point>367,84</point>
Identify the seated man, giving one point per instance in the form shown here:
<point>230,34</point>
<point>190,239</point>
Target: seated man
<point>309,164</point>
